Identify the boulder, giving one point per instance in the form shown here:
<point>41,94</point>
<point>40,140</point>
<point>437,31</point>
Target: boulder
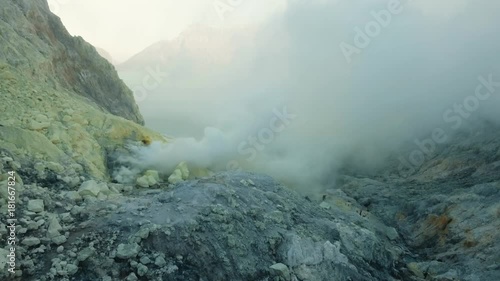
<point>175,177</point>
<point>181,173</point>
<point>36,205</point>
<point>126,251</point>
<point>30,241</point>
<point>92,188</point>
<point>54,227</point>
<point>281,270</point>
<point>150,178</point>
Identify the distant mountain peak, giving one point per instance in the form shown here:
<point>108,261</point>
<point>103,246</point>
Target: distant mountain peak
<point>198,42</point>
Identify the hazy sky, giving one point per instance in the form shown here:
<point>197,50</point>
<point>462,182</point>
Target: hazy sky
<point>124,28</point>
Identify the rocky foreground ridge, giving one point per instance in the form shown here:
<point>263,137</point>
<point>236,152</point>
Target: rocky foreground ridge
<point>58,128</point>
<point>440,223</point>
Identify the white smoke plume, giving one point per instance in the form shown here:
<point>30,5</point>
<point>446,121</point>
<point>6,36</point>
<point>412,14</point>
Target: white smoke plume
<point>405,66</point>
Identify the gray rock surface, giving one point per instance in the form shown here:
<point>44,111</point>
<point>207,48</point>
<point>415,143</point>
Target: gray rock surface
<point>448,211</point>
<point>218,228</point>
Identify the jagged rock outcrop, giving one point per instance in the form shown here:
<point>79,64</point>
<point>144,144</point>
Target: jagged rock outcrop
<point>35,42</point>
<point>61,102</point>
<point>447,210</point>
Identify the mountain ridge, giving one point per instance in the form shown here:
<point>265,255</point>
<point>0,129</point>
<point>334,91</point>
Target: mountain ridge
<point>65,61</point>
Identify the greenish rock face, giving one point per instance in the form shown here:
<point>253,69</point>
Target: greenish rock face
<point>61,101</point>
<point>36,43</point>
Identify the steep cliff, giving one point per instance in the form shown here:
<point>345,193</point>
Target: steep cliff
<point>37,45</point>
<point>61,101</point>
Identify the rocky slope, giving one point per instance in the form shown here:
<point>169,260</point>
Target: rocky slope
<point>59,131</point>
<point>61,102</point>
<point>61,60</point>
<point>448,211</point>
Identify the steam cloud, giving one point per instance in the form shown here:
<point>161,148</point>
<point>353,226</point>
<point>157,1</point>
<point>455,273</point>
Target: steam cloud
<point>422,63</point>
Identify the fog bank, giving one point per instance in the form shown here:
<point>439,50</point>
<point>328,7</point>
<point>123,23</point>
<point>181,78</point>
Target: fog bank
<point>326,82</point>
